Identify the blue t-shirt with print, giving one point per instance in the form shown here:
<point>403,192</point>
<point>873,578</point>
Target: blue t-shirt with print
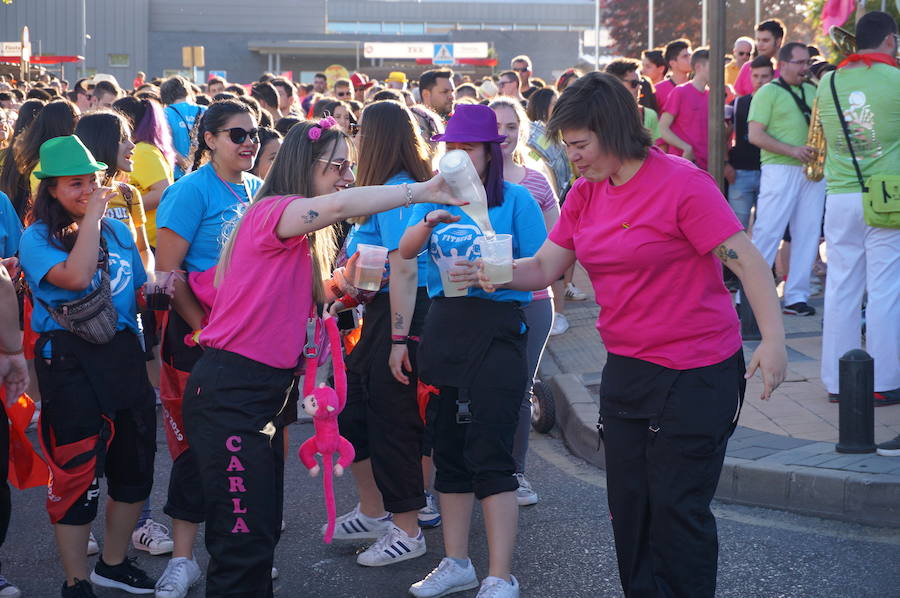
<point>10,227</point>
<point>203,209</point>
<point>181,118</point>
<point>519,216</point>
<point>38,255</point>
<point>385,229</point>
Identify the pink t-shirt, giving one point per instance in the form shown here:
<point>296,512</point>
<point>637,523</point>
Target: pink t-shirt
<point>743,85</point>
<point>646,246</point>
<point>543,193</point>
<point>690,107</point>
<point>663,89</point>
<point>264,299</point>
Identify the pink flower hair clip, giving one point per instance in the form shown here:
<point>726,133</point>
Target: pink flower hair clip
<point>324,124</point>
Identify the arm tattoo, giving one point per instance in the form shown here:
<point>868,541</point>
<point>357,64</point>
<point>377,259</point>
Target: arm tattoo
<point>310,216</point>
<point>725,253</point>
<point>398,321</point>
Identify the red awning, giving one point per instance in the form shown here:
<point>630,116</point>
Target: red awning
<point>42,59</point>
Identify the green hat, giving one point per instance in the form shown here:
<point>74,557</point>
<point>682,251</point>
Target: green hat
<point>66,156</point>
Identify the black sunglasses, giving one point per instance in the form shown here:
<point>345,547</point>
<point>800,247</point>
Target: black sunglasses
<point>742,53</point>
<point>521,69</point>
<point>634,83</point>
<point>342,94</point>
<point>239,135</point>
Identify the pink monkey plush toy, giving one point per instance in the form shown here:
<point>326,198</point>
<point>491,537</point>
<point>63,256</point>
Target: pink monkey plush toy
<point>324,404</point>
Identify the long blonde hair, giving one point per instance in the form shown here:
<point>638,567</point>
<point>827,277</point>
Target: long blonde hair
<point>292,173</point>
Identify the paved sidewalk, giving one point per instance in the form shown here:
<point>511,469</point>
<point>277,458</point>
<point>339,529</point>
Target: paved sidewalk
<point>782,454</point>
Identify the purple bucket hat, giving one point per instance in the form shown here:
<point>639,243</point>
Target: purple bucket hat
<point>471,123</point>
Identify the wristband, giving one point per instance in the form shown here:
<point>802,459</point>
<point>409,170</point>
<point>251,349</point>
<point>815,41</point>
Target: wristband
<point>19,351</point>
<point>409,197</point>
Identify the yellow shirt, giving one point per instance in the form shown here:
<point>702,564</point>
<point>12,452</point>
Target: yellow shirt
<point>131,212</point>
<point>731,72</point>
<point>150,167</point>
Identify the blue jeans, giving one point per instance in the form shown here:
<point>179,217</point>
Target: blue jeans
<point>743,193</point>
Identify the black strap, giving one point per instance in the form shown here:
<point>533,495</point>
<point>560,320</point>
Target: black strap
<point>840,113</point>
<point>799,100</point>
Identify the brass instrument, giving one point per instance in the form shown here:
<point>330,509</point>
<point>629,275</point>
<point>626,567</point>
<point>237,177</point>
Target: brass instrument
<point>815,138</point>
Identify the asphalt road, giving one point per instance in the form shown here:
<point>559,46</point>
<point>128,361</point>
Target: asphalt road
<point>565,547</point>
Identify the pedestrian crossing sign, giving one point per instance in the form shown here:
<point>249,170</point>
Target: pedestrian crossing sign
<point>443,54</point>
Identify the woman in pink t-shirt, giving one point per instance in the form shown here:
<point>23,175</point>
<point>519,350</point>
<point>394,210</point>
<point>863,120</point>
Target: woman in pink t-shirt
<point>653,231</point>
<point>539,314</point>
<point>270,277</point>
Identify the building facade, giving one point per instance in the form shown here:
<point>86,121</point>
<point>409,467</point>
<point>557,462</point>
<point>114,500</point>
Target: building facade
<point>244,38</point>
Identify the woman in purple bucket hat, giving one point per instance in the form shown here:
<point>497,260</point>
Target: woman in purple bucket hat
<point>473,350</point>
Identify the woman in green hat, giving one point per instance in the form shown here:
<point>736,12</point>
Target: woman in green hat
<point>98,417</point>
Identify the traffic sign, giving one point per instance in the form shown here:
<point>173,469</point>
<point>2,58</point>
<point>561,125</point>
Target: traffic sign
<point>443,54</point>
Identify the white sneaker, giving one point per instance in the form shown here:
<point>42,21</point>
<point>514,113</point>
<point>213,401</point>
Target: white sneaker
<point>275,573</point>
<point>283,525</point>
<point>93,547</point>
<point>152,537</point>
<point>447,578</point>
<point>496,587</point>
<point>525,494</point>
<point>393,547</point>
<point>354,526</point>
<point>573,293</point>
<point>181,573</point>
<point>8,590</point>
<point>429,516</point>
<point>560,324</point>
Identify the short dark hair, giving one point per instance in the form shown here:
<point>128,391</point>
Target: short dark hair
<point>762,62</point>
<point>5,96</point>
<point>773,26</point>
<point>107,87</point>
<point>173,89</point>
<point>388,94</point>
<point>320,76</point>
<point>213,80</point>
<point>263,91</point>
<point>521,58</point>
<point>236,89</point>
<point>786,53</point>
<point>674,48</point>
<point>467,90</point>
<point>698,55</point>
<point>655,56</point>
<point>509,74</point>
<point>285,84</point>
<point>428,79</point>
<point>622,67</point>
<point>872,28</point>
<point>36,93</point>
<point>599,102</point>
<point>343,83</point>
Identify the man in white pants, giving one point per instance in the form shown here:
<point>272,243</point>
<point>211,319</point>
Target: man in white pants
<point>862,258</point>
<point>778,124</point>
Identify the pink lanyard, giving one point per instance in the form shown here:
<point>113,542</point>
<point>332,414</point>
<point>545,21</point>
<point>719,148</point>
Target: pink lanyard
<point>230,189</point>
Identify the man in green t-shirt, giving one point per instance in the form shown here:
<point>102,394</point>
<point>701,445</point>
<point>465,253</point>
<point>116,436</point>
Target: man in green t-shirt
<point>862,258</point>
<point>778,124</point>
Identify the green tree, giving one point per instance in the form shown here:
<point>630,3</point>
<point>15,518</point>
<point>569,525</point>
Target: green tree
<point>627,21</point>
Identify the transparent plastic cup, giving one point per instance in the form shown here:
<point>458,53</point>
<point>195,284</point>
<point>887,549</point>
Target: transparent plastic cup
<point>369,267</point>
<point>496,253</point>
<point>159,293</point>
<point>451,288</point>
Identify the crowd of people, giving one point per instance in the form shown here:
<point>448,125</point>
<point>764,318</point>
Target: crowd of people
<point>179,244</point>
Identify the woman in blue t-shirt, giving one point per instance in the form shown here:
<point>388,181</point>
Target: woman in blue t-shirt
<point>195,217</point>
<point>98,412</point>
<point>473,351</point>
<point>381,418</point>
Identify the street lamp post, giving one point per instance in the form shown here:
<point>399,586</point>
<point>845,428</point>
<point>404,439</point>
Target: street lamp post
<point>650,24</point>
<point>83,38</point>
<point>596,35</point>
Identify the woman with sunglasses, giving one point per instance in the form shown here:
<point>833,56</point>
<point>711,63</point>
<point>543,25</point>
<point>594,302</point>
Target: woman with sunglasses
<point>381,418</point>
<point>195,218</point>
<point>254,341</point>
<point>513,122</point>
<point>474,351</point>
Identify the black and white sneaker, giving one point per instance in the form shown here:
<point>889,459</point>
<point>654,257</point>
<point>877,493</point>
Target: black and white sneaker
<point>799,309</point>
<point>124,576</point>
<point>891,448</point>
<point>355,526</point>
<point>394,547</point>
<point>81,589</point>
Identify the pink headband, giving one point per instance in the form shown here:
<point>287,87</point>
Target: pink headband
<point>324,124</point>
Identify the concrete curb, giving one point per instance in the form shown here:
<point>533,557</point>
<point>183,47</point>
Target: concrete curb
<point>867,498</point>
